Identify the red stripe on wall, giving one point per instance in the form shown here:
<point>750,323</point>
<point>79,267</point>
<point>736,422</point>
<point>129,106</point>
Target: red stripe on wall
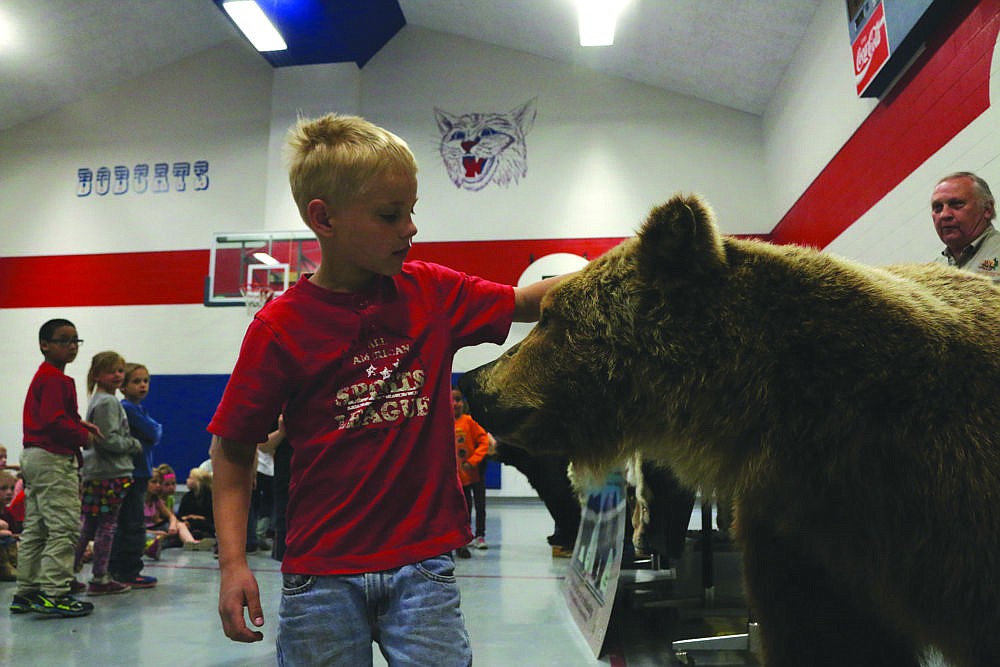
<point>945,90</point>
<point>114,279</point>
<point>178,277</point>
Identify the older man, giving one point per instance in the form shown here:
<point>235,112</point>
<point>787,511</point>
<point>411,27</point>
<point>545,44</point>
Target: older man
<point>963,209</point>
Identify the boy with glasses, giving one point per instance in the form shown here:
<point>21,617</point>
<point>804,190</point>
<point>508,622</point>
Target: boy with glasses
<point>54,434</point>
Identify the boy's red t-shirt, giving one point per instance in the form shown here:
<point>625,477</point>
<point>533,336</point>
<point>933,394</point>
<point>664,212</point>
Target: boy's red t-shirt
<point>364,383</point>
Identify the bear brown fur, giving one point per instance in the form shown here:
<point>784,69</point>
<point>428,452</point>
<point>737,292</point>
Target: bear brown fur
<point>850,411</point>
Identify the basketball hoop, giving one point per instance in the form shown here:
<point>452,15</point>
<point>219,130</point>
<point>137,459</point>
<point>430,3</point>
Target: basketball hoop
<point>255,296</point>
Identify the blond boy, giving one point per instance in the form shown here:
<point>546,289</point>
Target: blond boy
<point>357,358</point>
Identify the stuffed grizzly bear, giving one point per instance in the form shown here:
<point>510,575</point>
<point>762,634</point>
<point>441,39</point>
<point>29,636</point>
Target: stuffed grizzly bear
<point>853,413</point>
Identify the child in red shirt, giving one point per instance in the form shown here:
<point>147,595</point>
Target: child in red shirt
<point>54,435</point>
<point>357,358</point>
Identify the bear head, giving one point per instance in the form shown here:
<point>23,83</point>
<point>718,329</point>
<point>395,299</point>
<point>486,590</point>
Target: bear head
<point>618,329</point>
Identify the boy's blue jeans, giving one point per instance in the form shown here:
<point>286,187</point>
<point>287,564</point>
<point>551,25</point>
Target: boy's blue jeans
<point>412,612</point>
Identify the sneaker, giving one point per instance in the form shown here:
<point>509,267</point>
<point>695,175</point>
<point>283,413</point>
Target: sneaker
<point>21,604</point>
<point>76,587</point>
<point>480,543</point>
<point>138,581</point>
<point>64,606</point>
<point>154,547</point>
<point>109,587</point>
<point>463,552</point>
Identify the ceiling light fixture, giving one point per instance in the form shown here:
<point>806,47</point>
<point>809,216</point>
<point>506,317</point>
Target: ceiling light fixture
<point>249,18</point>
<point>8,39</point>
<point>597,21</point>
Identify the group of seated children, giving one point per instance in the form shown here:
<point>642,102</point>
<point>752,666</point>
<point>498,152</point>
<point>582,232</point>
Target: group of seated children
<point>191,526</point>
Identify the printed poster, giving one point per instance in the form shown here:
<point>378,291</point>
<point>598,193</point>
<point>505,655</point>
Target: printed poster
<point>592,580</point>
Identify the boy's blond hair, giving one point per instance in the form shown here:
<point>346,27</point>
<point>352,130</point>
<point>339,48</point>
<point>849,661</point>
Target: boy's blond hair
<point>334,158</point>
<point>101,363</point>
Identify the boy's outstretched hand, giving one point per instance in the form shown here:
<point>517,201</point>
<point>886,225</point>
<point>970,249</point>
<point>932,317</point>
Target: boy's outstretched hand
<point>95,430</point>
<point>238,590</point>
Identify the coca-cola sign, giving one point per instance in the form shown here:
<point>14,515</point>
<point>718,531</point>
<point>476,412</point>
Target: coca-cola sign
<point>871,49</point>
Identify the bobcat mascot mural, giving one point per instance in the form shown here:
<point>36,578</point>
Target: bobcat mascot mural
<point>483,148</point>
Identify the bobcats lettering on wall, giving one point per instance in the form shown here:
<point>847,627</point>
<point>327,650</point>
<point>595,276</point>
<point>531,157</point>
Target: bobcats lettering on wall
<point>140,179</point>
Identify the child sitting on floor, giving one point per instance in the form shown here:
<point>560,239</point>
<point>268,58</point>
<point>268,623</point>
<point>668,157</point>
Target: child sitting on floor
<point>9,529</point>
<point>195,508</point>
<point>168,486</point>
<point>163,529</point>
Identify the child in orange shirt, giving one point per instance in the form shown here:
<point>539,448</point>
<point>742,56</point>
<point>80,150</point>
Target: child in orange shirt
<point>472,443</point>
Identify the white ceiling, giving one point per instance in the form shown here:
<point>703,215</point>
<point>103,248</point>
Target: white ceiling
<point>732,52</point>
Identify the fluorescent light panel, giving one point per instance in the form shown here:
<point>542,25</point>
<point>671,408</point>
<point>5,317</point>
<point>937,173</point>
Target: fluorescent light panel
<point>7,32</point>
<point>264,258</point>
<point>597,21</point>
<point>249,18</point>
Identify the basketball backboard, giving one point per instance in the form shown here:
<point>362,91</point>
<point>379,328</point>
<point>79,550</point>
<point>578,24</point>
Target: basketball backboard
<point>248,261</point>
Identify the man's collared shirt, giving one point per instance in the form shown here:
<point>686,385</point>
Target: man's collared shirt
<point>980,256</point>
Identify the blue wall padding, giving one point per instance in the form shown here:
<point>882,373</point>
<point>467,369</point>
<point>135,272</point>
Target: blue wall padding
<point>184,404</point>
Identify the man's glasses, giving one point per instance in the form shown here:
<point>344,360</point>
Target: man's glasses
<point>66,341</point>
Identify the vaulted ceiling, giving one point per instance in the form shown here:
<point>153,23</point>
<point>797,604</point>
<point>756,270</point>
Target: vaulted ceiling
<point>731,52</point>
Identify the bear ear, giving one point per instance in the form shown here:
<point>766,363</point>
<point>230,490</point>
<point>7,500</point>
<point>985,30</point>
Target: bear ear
<point>680,238</point>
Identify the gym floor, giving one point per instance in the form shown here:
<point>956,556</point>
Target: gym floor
<point>512,598</point>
